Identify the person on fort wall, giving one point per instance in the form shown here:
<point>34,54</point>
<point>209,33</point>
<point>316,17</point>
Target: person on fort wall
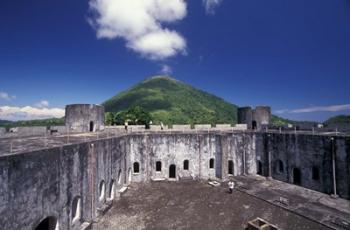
<point>231,186</point>
<point>126,126</point>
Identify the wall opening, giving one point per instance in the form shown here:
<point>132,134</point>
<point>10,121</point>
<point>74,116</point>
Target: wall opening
<point>315,173</point>
<point>254,125</point>
<point>186,163</point>
<point>91,126</point>
<point>172,171</point>
<point>230,167</point>
<point>259,169</point>
<point>158,166</point>
<point>49,223</point>
<point>296,176</point>
<point>76,209</point>
<point>136,167</point>
<point>101,189</point>
<point>120,176</point>
<point>280,166</point>
<point>211,163</point>
<point>129,175</point>
<point>111,190</point>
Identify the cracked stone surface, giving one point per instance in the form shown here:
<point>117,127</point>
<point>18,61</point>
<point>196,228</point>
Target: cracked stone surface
<point>195,205</point>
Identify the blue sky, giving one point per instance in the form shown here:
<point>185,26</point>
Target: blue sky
<point>293,55</point>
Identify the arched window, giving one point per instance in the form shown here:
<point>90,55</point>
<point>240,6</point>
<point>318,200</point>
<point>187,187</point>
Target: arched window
<point>315,173</point>
<point>158,166</point>
<point>136,167</point>
<point>230,167</point>
<point>296,176</point>
<point>101,190</point>
<point>211,163</point>
<point>186,163</point>
<point>279,166</point>
<point>120,176</point>
<point>76,209</point>
<point>111,190</point>
<point>49,223</point>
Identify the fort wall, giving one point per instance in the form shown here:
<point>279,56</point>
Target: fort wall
<point>39,184</point>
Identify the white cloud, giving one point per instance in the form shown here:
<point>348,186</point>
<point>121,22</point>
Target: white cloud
<point>312,109</point>
<point>29,113</point>
<point>210,5</point>
<point>6,96</point>
<point>42,104</point>
<point>166,70</point>
<point>139,23</point>
<point>158,45</point>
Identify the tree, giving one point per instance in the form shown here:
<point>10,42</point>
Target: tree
<point>109,118</point>
<point>134,116</point>
<point>139,116</point>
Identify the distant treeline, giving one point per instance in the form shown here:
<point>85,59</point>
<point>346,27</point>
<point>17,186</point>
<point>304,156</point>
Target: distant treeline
<point>39,122</point>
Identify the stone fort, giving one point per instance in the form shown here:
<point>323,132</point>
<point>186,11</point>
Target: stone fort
<point>67,177</point>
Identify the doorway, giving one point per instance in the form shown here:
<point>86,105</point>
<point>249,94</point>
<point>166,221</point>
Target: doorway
<point>91,126</point>
<point>296,176</point>
<point>230,167</point>
<point>172,171</point>
<point>254,125</point>
<point>260,169</point>
<point>49,223</point>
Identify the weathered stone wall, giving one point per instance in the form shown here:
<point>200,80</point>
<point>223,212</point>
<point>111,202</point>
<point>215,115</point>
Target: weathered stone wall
<point>198,149</point>
<point>44,183</point>
<point>32,131</point>
<point>245,116</point>
<point>40,184</point>
<point>84,117</point>
<point>202,127</point>
<point>262,116</point>
<point>257,118</point>
<point>306,153</point>
<point>36,185</point>
<point>2,131</point>
<point>181,127</point>
<point>29,131</point>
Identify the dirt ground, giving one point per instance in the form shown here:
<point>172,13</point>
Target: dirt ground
<point>194,205</point>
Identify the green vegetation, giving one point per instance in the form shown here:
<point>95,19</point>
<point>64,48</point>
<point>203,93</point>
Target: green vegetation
<point>134,116</point>
<point>173,102</point>
<point>4,123</point>
<point>279,121</point>
<point>338,119</point>
<point>40,122</point>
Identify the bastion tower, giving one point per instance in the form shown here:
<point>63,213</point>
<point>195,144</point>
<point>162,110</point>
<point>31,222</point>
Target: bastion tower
<point>254,118</point>
<point>84,117</point>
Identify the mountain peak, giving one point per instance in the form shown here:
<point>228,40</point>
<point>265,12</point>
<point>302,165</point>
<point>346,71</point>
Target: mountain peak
<point>171,101</point>
<point>161,77</point>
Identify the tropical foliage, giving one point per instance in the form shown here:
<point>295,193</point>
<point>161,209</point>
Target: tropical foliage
<point>134,116</point>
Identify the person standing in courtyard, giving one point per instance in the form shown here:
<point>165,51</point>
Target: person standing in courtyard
<point>231,186</point>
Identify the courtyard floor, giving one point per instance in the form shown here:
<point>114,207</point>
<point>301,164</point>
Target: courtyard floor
<point>197,205</point>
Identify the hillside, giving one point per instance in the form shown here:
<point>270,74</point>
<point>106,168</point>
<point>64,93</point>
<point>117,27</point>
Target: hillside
<point>338,119</point>
<point>172,101</point>
<point>279,121</point>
